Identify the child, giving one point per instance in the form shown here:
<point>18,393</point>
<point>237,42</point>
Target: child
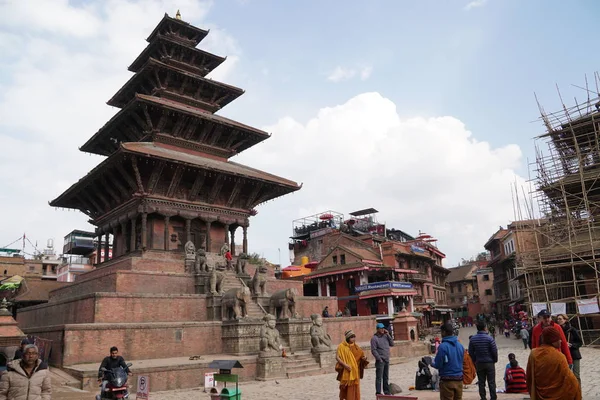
<point>515,378</point>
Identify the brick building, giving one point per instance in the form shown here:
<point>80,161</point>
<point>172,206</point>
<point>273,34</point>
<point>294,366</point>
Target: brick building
<point>369,268</point>
<point>506,247</point>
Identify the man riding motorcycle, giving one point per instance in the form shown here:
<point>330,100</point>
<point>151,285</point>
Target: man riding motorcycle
<point>109,363</point>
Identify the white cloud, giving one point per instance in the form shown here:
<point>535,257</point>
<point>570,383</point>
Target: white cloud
<point>475,4</point>
<point>365,73</point>
<point>53,93</point>
<point>340,73</point>
<point>426,174</point>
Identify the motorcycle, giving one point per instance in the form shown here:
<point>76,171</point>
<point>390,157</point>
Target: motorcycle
<point>116,388</point>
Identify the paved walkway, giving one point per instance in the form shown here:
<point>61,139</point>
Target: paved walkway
<point>324,387</point>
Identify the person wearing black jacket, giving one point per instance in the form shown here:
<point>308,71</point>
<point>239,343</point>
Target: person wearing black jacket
<point>574,340</point>
<point>110,362</point>
<point>21,350</point>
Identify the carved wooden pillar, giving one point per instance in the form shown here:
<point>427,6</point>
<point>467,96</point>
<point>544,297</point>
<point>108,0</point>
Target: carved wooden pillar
<point>107,245</point>
<point>227,235</point>
<point>123,244</point>
<point>233,240</point>
<point>208,241</point>
<point>144,230</point>
<point>245,239</point>
<point>188,230</point>
<point>99,248</point>
<point>132,239</point>
<point>167,245</point>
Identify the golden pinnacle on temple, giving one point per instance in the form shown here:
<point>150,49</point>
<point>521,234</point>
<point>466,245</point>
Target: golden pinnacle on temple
<point>178,15</point>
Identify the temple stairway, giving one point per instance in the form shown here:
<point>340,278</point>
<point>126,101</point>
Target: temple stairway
<point>302,363</point>
<point>231,281</point>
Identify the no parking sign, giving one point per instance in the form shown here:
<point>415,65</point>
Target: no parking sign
<point>143,387</point>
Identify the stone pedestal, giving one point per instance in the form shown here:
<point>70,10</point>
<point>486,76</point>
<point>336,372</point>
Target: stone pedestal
<point>213,308</point>
<point>201,282</point>
<point>326,359</point>
<point>295,332</point>
<point>269,367</point>
<point>404,323</point>
<point>241,336</point>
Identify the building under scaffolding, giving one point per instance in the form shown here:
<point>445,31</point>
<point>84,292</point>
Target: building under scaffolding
<point>560,260</point>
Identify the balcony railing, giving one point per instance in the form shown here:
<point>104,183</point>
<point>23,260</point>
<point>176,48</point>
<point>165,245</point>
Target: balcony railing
<point>418,299</point>
<point>76,260</point>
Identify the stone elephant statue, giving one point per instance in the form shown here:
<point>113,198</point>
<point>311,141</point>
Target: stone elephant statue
<point>234,303</point>
<point>286,301</point>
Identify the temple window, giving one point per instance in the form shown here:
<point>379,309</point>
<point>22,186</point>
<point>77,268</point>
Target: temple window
<point>334,259</point>
<point>343,259</point>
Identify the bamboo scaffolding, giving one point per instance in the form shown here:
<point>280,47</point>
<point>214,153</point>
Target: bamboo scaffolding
<point>561,262</point>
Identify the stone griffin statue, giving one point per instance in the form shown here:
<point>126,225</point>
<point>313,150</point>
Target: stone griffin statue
<point>269,337</point>
<point>200,262</point>
<point>240,264</point>
<point>234,303</point>
<point>216,279</point>
<point>286,301</point>
<point>259,281</point>
<point>190,256</point>
<point>320,340</point>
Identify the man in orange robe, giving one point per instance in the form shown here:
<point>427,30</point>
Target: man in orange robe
<point>548,374</point>
<point>351,364</point>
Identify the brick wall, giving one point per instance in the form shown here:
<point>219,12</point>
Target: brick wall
<point>87,342</point>
<point>150,308</point>
<point>308,305</point>
<point>113,307</point>
<point>129,282</point>
<point>363,327</point>
<point>79,310</point>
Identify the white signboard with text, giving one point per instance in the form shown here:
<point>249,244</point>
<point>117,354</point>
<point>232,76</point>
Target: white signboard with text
<point>143,387</point>
<point>537,307</point>
<point>558,308</point>
<point>588,306</point>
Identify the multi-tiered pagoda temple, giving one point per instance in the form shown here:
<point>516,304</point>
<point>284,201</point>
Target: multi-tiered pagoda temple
<point>167,178</point>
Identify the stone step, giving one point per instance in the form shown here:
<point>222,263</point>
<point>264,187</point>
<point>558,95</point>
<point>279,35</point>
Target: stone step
<point>304,372</point>
<point>301,365</point>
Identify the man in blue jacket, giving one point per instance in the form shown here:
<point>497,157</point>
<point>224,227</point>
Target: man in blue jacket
<point>484,353</point>
<point>449,363</point>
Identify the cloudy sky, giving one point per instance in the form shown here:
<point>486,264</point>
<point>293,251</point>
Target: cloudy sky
<point>422,109</point>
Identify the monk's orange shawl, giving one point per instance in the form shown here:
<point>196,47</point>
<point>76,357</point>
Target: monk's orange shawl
<point>549,376</point>
<point>469,372</point>
<point>350,354</point>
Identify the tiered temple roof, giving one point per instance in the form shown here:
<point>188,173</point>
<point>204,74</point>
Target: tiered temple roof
<point>168,153</point>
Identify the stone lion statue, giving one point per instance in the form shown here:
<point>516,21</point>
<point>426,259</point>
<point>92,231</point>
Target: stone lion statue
<point>320,340</point>
<point>269,337</point>
<point>284,300</point>
<point>240,264</point>
<point>216,279</point>
<point>200,262</point>
<point>259,281</point>
<point>234,303</point>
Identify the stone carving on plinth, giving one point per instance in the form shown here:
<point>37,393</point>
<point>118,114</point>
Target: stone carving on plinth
<point>240,264</point>
<point>200,262</point>
<point>320,340</point>
<point>216,279</point>
<point>234,303</point>
<point>282,303</point>
<point>259,281</point>
<point>269,338</point>
<point>190,256</point>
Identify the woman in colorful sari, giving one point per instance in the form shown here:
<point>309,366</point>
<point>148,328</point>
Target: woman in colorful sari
<point>351,363</point>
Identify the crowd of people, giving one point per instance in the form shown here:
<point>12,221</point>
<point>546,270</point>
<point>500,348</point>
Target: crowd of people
<point>551,370</point>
